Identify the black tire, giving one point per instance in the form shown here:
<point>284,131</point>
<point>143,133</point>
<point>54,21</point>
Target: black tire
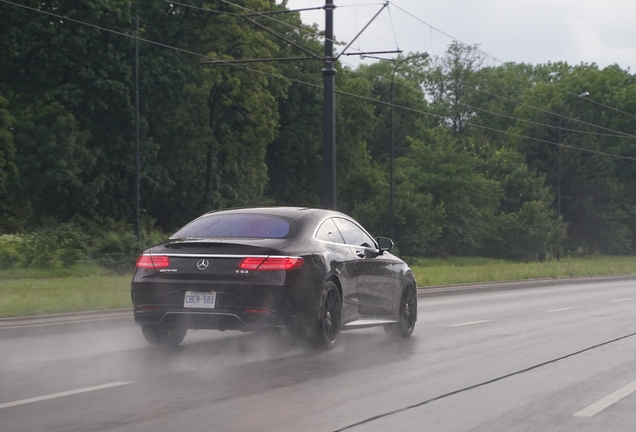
<point>329,317</point>
<point>408,313</point>
<point>164,336</point>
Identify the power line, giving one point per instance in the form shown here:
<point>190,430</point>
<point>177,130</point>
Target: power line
<point>444,33</point>
<point>205,56</point>
<point>490,128</point>
<point>291,25</point>
<point>481,52</point>
<point>612,108</point>
<point>500,61</point>
<point>279,76</point>
<point>623,135</point>
<point>484,53</point>
<point>397,45</point>
<point>618,133</point>
<point>66,18</point>
<point>253,12</point>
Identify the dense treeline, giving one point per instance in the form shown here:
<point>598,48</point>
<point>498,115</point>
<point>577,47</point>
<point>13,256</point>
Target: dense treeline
<point>215,136</point>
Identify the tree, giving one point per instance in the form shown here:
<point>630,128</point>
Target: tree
<point>591,200</point>
<point>450,83</point>
<point>67,86</point>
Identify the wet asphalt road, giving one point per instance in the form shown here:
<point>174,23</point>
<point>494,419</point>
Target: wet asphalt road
<point>552,358</point>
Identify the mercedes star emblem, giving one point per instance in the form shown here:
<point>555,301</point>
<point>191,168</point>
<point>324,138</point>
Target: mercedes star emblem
<point>203,264</point>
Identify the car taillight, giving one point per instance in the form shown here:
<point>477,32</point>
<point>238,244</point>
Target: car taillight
<point>271,263</point>
<point>153,261</point>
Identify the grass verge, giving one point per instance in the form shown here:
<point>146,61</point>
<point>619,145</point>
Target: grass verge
<point>25,292</point>
<point>435,272</point>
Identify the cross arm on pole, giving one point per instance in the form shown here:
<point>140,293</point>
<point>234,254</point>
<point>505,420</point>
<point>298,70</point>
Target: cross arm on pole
<point>362,31</point>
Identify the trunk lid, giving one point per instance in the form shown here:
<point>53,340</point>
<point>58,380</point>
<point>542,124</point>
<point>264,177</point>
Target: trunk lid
<point>212,259</point>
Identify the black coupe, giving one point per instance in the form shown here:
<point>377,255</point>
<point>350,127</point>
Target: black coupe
<point>315,272</point>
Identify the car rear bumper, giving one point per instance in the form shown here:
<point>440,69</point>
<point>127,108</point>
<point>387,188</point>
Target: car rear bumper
<point>244,320</point>
<point>238,307</point>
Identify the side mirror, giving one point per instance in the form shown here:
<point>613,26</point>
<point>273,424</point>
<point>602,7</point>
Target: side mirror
<point>385,244</point>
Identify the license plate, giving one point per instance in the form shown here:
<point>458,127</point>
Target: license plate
<point>194,299</point>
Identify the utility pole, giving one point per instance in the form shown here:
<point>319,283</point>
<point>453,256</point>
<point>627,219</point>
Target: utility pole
<point>329,115</point>
<point>328,196</point>
<point>137,161</point>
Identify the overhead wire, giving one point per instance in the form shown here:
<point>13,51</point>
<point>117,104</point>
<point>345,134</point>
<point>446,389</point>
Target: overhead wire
<point>612,108</point>
<point>494,129</point>
<point>253,12</point>
<point>280,76</point>
<point>291,25</point>
<point>377,101</point>
<point>617,133</point>
<point>444,33</point>
<point>397,45</point>
<point>266,16</point>
<point>622,134</point>
<point>422,21</point>
<point>498,60</point>
<point>502,62</point>
<point>205,56</point>
<point>66,18</point>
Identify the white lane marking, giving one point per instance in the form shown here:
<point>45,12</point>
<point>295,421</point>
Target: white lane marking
<point>621,300</point>
<point>599,406</point>
<point>559,310</point>
<point>66,393</point>
<point>469,323</point>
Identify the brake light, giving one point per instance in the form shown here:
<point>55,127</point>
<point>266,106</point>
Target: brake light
<point>271,263</point>
<point>153,261</point>
<point>258,311</point>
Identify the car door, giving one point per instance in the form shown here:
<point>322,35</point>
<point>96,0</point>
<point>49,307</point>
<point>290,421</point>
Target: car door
<point>374,270</point>
<point>345,261</point>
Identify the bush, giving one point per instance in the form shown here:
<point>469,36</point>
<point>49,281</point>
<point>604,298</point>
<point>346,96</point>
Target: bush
<point>110,244</point>
<point>116,247</point>
<point>47,247</point>
<point>530,234</point>
<point>11,250</point>
<point>119,251</point>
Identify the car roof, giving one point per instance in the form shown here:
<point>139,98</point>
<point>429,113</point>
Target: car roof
<point>295,213</point>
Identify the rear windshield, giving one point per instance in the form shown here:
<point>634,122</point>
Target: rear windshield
<point>236,225</point>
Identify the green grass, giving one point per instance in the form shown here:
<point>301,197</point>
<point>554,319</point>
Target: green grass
<point>435,272</point>
<point>25,292</point>
<point>79,270</point>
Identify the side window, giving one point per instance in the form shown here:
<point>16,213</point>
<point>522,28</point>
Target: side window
<point>353,235</point>
<point>329,232</point>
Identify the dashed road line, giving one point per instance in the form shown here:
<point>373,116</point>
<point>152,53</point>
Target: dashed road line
<point>469,323</point>
<point>607,401</point>
<point>62,394</point>
<point>622,300</point>
<point>560,309</point>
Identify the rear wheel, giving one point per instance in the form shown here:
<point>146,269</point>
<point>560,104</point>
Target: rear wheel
<point>408,314</point>
<point>330,317</point>
<point>165,336</point>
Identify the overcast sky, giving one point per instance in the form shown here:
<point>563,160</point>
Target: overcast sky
<point>531,31</point>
